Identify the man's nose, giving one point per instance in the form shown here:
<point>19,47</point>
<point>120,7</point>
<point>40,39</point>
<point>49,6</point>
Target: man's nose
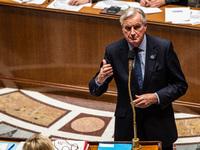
<point>132,30</point>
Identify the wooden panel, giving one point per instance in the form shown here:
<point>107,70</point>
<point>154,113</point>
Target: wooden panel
<point>53,47</point>
<point>60,51</point>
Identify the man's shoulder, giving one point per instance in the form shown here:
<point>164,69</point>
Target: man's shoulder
<point>158,40</point>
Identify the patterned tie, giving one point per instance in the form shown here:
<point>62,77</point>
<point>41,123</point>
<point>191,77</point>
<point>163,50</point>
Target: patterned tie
<point>138,70</point>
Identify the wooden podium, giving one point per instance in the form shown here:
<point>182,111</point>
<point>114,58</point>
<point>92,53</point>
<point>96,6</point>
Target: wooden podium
<point>146,145</point>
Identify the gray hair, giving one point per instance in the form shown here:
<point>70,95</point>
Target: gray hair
<point>131,11</point>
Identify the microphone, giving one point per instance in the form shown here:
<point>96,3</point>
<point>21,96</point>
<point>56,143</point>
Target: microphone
<point>135,140</point>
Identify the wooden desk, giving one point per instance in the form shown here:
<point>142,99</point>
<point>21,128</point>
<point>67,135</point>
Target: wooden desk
<point>59,51</point>
<point>146,145</point>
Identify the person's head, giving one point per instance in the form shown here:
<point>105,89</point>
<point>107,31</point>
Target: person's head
<point>133,21</point>
<point>38,142</point>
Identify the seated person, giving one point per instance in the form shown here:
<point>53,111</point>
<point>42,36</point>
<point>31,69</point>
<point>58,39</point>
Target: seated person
<point>38,142</point>
<point>144,3</point>
<point>159,3</point>
<point>80,2</point>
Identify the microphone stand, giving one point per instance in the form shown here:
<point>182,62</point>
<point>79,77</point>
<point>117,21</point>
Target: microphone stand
<point>135,140</point>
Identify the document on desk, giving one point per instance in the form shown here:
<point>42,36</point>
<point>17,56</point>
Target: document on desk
<point>177,14</point>
<point>182,16</point>
<point>30,1</point>
<point>124,5</point>
<point>151,10</point>
<point>20,146</point>
<point>3,146</point>
<point>195,17</point>
<point>63,4</point>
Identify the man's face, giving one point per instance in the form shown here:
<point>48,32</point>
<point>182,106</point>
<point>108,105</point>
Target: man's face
<point>134,30</point>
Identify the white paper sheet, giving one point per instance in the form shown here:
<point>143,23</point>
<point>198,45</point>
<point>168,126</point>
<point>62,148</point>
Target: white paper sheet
<point>20,146</point>
<point>30,1</point>
<point>177,14</point>
<point>183,16</point>
<point>3,146</point>
<point>148,10</point>
<point>63,4</point>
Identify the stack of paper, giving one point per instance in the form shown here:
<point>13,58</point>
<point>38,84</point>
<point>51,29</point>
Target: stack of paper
<point>182,15</point>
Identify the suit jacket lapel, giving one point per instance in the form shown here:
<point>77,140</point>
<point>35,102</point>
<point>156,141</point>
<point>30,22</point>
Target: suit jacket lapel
<point>151,55</point>
<point>124,57</point>
<point>124,49</point>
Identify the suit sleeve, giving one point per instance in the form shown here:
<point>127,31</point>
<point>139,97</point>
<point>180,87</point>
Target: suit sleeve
<point>177,2</point>
<point>177,83</point>
<point>171,1</point>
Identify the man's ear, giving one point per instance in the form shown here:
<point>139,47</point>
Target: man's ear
<point>145,25</point>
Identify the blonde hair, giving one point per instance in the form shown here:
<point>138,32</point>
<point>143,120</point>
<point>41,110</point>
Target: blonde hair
<point>38,142</point>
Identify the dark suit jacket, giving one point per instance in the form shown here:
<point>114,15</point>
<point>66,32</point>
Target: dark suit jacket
<point>163,75</point>
<point>177,2</point>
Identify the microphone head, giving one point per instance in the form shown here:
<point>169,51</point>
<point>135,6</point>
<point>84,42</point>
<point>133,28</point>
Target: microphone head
<point>131,55</point>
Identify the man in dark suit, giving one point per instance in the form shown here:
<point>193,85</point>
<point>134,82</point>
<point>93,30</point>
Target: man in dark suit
<point>162,78</point>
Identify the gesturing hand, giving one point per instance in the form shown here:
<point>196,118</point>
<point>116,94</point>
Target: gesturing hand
<point>105,72</point>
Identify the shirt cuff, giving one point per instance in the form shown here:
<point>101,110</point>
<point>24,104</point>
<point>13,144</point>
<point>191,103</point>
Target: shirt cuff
<point>157,98</point>
<point>97,82</point>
